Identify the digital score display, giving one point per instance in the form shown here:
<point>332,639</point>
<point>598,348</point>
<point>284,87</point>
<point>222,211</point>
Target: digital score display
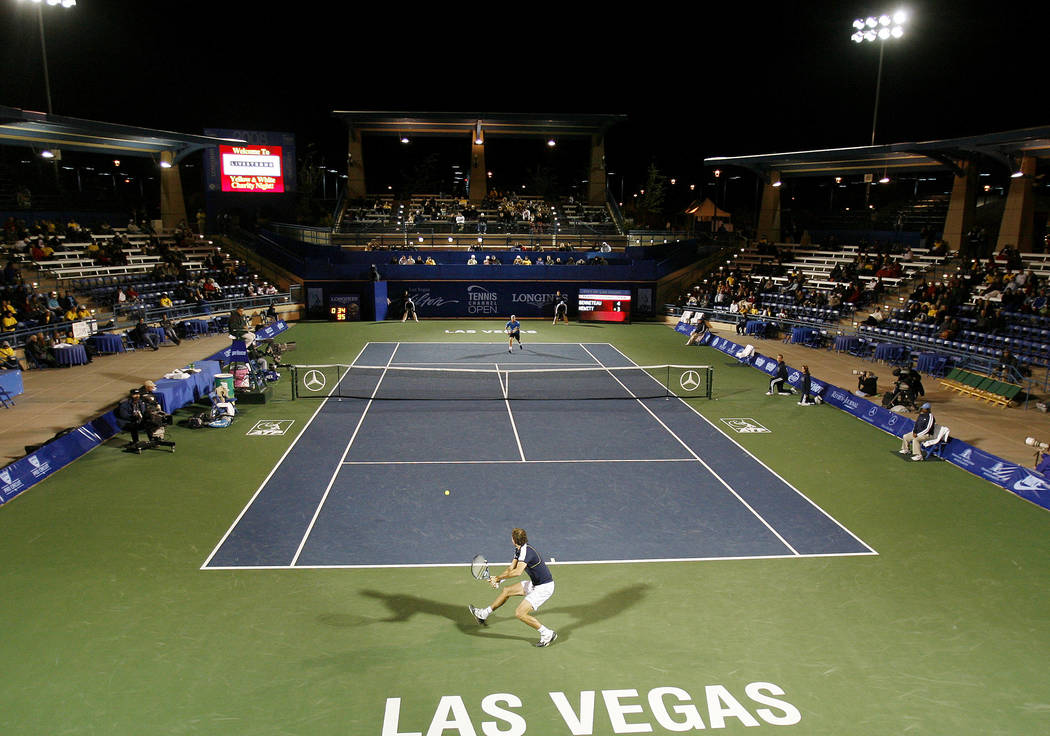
<point>344,308</point>
<point>605,305</point>
<point>250,168</point>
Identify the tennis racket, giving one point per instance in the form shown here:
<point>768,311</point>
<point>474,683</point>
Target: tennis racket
<point>479,568</point>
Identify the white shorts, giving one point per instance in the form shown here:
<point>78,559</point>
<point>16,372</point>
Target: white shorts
<point>537,594</point>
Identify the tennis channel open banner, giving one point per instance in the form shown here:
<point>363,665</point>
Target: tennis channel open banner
<point>1025,482</point>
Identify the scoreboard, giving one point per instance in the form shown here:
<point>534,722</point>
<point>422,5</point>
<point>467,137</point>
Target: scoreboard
<point>605,305</point>
<point>344,307</point>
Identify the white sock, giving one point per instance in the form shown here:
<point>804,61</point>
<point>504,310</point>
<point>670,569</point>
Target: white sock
<point>486,613</point>
<point>544,631</point>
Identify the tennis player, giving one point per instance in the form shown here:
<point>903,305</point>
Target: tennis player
<point>410,309</point>
<point>537,589</point>
<point>561,308</point>
<point>513,331</point>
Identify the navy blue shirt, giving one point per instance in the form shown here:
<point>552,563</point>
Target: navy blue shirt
<point>514,326</point>
<point>535,567</point>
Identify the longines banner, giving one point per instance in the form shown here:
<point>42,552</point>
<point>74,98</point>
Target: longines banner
<point>1026,483</point>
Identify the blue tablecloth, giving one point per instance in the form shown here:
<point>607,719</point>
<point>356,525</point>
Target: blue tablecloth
<point>71,355</point>
<point>175,393</point>
<point>106,344</point>
<point>11,381</point>
<point>196,326</point>
<point>755,327</point>
<point>932,363</point>
<point>845,343</point>
<point>889,352</point>
<point>802,334</point>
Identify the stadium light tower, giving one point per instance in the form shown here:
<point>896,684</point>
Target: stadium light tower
<point>43,47</point>
<point>881,29</point>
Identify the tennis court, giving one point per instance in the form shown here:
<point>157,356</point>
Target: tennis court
<point>112,626</point>
<point>590,450</point>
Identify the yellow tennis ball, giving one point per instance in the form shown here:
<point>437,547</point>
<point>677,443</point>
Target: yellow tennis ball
<point>446,493</point>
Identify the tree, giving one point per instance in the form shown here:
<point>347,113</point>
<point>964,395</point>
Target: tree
<point>649,206</point>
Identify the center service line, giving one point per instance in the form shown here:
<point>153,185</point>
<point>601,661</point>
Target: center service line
<point>506,400</point>
<point>342,459</point>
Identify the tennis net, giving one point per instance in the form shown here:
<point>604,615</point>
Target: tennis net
<point>449,384</point>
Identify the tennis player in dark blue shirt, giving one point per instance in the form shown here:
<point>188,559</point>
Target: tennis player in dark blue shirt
<point>513,333</point>
<point>537,589</point>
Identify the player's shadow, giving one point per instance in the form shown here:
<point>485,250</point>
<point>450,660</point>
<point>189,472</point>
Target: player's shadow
<point>402,607</point>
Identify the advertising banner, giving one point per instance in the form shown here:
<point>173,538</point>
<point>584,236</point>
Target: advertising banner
<point>34,467</point>
<point>478,298</point>
<point>1018,479</point>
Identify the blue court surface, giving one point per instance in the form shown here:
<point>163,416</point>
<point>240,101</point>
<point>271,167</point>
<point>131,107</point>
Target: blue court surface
<point>612,480</point>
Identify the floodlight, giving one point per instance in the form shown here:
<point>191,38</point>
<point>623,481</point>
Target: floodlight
<point>857,37</point>
<point>884,20</point>
<point>46,154</point>
<point>870,35</point>
<point>871,22</point>
<point>884,33</point>
<point>165,164</point>
<point>551,142</point>
<point>897,32</point>
<point>1016,175</point>
<point>900,17</point>
<point>884,180</point>
<point>68,3</point>
<point>858,24</point>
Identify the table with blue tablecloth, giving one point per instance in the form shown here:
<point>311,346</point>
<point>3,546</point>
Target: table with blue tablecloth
<point>106,344</point>
<point>175,393</point>
<point>802,335</point>
<point>196,326</point>
<point>71,355</point>
<point>159,332</point>
<point>889,352</point>
<point>846,343</point>
<point>756,327</point>
<point>11,382</point>
<point>931,363</point>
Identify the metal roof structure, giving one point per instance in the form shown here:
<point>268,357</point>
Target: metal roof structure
<point>41,131</point>
<point>522,125</point>
<point>1006,148</point>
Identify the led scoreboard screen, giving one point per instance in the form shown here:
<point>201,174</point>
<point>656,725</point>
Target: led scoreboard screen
<point>251,168</point>
<point>344,307</point>
<point>605,305</point>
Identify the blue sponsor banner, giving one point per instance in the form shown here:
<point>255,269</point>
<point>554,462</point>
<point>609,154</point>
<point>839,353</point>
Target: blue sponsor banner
<point>34,467</point>
<point>229,355</point>
<point>1024,482</point>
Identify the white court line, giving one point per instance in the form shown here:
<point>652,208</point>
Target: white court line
<point>771,471</point>
<point>701,461</point>
<point>339,465</point>
<point>438,565</point>
<point>517,462</point>
<point>510,414</point>
<point>276,466</point>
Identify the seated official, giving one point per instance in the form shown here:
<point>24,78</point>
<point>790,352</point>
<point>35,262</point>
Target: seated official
<point>8,359</point>
<point>39,352</point>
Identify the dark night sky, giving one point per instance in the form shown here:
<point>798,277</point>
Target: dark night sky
<point>695,81</point>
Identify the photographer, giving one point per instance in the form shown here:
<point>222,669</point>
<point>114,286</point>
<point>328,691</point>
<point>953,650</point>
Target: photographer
<point>143,414</point>
<point>867,384</point>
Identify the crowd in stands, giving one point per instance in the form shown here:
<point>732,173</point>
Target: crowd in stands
<point>501,212</point>
<point>40,320</point>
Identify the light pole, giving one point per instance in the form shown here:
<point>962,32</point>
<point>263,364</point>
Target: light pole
<point>43,46</point>
<point>882,29</point>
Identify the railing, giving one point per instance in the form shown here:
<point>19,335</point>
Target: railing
<point>129,315</point>
<point>312,235</point>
